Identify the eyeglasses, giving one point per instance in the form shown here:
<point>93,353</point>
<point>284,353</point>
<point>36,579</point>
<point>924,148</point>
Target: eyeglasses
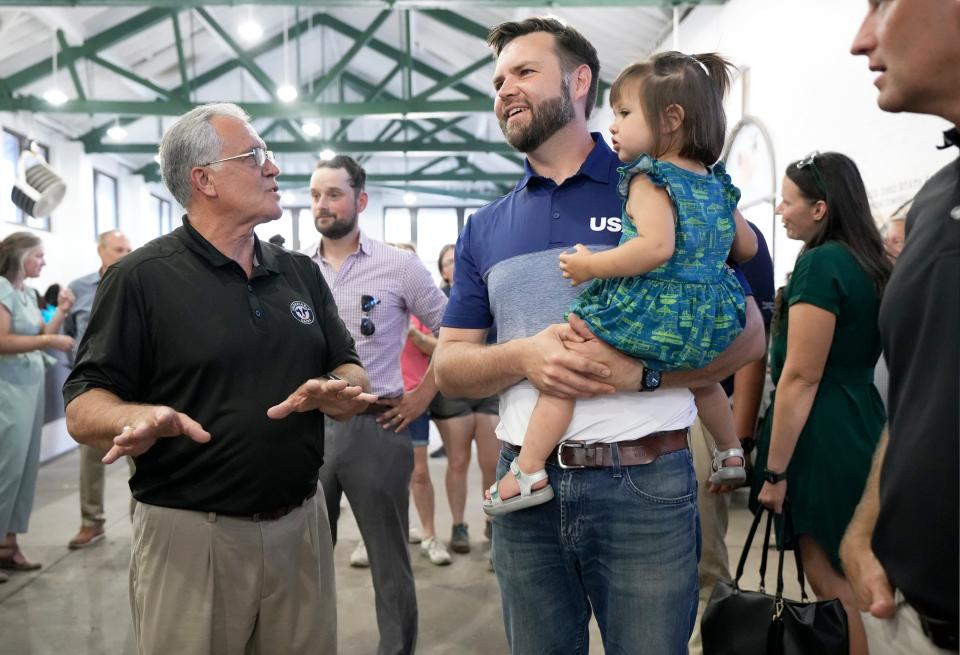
<point>260,155</point>
<point>367,303</point>
<point>811,161</point>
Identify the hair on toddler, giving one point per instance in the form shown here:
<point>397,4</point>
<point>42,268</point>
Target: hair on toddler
<point>697,83</point>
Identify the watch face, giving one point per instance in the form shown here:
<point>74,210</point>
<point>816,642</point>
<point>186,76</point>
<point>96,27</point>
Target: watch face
<point>652,379</point>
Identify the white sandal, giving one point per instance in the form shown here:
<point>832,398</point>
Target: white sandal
<point>735,475</point>
<point>528,496</point>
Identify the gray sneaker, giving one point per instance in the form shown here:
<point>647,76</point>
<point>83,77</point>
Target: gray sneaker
<point>460,539</point>
<point>358,558</point>
<point>433,549</point>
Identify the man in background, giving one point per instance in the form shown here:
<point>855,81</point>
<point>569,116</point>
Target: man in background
<point>112,246</point>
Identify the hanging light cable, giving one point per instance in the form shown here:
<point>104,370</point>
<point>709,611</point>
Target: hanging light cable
<point>286,92</point>
<point>54,95</point>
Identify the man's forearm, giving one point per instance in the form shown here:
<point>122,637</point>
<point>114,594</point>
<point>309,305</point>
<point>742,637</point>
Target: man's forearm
<point>747,347</point>
<point>475,370</point>
<point>95,417</point>
<point>865,516</point>
<point>354,375</point>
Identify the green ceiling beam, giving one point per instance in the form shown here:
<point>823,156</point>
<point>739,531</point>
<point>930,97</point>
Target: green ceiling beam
<point>337,146</point>
<point>246,61</point>
<point>94,44</point>
<point>465,25</point>
<point>265,46</point>
<point>450,80</point>
<point>398,55</point>
<point>430,164</point>
<point>72,66</point>
<point>358,43</point>
<point>370,97</point>
<point>362,84</point>
<point>442,126</point>
<point>133,77</point>
<point>292,111</point>
<point>178,40</point>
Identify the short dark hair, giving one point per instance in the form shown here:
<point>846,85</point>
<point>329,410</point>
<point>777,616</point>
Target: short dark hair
<point>848,218</point>
<point>572,48</point>
<point>356,173</point>
<point>695,82</point>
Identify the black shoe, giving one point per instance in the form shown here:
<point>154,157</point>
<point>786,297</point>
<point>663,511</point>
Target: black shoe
<point>438,453</point>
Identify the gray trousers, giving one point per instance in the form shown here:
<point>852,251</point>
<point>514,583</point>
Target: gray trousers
<point>372,466</point>
<point>91,486</point>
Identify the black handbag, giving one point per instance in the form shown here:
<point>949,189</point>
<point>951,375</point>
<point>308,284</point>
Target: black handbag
<point>738,622</point>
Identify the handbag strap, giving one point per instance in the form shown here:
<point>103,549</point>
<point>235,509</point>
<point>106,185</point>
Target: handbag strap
<point>761,512</point>
<point>796,553</point>
<point>746,547</point>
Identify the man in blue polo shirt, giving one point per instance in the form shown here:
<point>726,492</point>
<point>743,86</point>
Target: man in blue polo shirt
<point>621,536</point>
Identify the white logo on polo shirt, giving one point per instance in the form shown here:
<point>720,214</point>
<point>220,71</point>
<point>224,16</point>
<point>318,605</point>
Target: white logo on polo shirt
<point>608,223</point>
<point>302,312</point>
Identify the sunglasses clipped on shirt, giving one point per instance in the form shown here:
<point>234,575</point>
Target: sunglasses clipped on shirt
<point>367,303</point>
<point>260,155</point>
<point>810,161</point>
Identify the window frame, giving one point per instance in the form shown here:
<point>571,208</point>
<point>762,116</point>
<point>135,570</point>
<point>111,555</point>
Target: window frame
<point>97,229</point>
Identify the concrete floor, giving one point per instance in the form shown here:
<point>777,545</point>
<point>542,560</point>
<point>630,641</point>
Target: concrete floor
<point>77,604</point>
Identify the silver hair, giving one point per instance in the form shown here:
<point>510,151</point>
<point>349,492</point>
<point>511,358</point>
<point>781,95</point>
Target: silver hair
<point>192,141</point>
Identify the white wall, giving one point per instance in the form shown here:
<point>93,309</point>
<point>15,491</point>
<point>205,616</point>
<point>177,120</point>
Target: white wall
<point>812,94</point>
<point>70,246</point>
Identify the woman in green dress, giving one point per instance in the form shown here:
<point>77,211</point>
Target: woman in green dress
<point>818,438</point>
<point>23,338</point>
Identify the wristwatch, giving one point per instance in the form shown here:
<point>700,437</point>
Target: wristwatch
<point>772,477</point>
<point>650,381</point>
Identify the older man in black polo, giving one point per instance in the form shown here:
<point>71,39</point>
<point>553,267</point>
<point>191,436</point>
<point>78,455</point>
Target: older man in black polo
<point>194,363</point>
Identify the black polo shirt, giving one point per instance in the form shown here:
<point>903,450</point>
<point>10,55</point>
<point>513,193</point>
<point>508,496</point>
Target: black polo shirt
<point>916,536</point>
<point>178,323</point>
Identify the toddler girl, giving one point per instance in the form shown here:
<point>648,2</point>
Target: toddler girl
<point>665,295</point>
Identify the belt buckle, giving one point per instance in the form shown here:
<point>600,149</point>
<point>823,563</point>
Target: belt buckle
<point>569,444</point>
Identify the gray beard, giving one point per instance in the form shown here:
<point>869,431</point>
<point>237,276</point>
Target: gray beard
<point>339,228</point>
<point>547,119</point>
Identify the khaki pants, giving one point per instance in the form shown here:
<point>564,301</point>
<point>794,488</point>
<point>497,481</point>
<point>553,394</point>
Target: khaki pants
<point>901,635</point>
<point>714,510</point>
<point>205,584</point>
<point>91,486</point>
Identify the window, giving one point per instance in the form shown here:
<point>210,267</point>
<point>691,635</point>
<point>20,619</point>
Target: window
<point>105,203</point>
<point>164,214</point>
<point>10,148</point>
<point>427,228</point>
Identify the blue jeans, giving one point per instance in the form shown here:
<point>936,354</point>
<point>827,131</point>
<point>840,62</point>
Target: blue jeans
<point>620,541</point>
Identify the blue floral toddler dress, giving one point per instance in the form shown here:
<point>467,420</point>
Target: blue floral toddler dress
<point>684,313</point>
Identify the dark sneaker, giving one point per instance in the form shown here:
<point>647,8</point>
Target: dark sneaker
<point>460,539</point>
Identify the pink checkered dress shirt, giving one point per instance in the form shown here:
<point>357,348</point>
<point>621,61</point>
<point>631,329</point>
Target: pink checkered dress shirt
<point>402,284</point>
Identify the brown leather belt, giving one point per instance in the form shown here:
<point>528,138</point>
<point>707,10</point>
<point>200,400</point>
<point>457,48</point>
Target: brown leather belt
<point>578,455</point>
<point>278,513</point>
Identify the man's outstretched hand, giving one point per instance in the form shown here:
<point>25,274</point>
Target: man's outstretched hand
<point>152,423</point>
<point>335,398</point>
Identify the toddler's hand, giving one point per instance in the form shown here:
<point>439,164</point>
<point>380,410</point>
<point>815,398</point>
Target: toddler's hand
<point>575,265</point>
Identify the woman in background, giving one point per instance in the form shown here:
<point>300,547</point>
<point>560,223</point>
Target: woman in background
<point>817,441</point>
<point>23,338</point>
<point>460,421</point>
